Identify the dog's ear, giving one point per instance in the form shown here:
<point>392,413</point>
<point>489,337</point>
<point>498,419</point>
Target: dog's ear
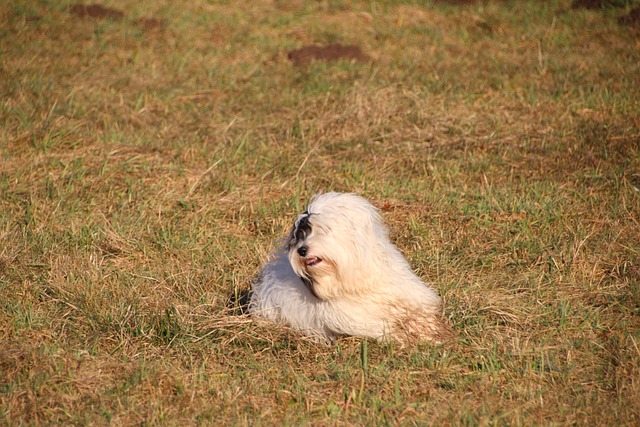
<point>291,239</point>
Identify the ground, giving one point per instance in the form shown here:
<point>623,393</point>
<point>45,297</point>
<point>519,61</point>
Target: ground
<point>152,154</point>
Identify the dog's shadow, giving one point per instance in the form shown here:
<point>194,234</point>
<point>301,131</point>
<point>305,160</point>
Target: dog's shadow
<point>238,302</point>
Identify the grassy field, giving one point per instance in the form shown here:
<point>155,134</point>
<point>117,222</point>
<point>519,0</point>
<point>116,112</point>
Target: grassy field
<point>150,161</point>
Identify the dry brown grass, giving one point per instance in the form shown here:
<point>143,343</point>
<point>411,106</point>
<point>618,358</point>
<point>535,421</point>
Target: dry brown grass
<point>146,171</point>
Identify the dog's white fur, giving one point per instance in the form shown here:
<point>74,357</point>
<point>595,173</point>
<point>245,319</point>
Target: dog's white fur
<point>348,278</point>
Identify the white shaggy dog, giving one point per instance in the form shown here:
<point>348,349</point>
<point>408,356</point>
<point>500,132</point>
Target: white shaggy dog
<point>339,274</point>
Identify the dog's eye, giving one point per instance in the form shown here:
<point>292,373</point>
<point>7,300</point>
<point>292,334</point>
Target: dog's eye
<point>300,231</point>
<point>303,228</point>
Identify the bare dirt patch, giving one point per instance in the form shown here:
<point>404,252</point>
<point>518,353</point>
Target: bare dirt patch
<point>333,52</point>
<point>459,2</point>
<point>149,24</point>
<point>632,19</point>
<point>591,4</point>
<point>95,11</point>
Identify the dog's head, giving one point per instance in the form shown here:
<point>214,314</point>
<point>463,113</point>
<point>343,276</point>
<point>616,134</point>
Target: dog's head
<point>335,240</point>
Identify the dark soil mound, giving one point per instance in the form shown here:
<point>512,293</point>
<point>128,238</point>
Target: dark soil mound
<point>333,52</point>
<point>149,24</point>
<point>633,18</point>
<point>459,2</point>
<point>95,11</point>
<point>593,4</point>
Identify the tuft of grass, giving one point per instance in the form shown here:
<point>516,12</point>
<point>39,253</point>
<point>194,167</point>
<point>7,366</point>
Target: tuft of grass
<point>146,172</point>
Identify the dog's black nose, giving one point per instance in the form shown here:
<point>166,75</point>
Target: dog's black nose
<point>302,250</point>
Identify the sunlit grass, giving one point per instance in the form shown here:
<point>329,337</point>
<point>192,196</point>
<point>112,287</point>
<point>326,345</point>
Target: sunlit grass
<point>146,173</point>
